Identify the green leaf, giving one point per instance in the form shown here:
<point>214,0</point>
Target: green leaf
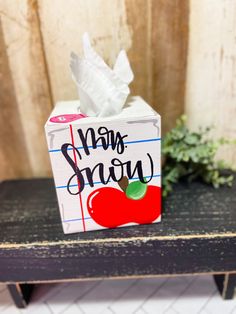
<point>192,139</point>
<point>136,190</point>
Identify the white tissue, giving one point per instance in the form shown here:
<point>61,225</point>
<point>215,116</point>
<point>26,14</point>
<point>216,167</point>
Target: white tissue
<point>102,91</point>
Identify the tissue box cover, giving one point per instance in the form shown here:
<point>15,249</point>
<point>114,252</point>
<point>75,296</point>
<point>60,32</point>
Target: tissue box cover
<point>92,156</point>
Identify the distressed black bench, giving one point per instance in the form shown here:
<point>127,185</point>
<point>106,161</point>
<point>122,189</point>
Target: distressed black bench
<point>196,236</point>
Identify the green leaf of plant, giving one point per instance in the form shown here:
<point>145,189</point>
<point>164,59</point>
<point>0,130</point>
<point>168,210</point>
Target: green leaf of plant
<point>136,190</point>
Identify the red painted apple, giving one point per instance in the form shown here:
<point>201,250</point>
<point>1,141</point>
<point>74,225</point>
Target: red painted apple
<point>110,207</point>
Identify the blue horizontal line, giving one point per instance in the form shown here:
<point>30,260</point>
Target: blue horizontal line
<point>76,219</point>
<point>99,182</point>
<point>130,142</point>
<point>143,141</point>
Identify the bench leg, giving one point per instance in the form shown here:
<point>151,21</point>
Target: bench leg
<point>226,284</point>
<point>20,294</point>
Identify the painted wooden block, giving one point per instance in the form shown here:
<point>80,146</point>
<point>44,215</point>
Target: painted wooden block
<point>107,171</point>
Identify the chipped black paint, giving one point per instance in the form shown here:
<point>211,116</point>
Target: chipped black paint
<point>197,235</point>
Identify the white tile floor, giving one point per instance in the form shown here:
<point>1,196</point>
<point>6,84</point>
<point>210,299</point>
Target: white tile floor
<point>183,295</point>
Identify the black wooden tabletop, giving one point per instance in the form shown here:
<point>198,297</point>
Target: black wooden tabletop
<point>31,233</point>
<point>29,213</point>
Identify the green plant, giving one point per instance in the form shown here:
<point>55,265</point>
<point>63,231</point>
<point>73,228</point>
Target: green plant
<point>191,155</point>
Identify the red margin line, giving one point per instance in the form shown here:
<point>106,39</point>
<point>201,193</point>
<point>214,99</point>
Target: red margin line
<point>75,160</point>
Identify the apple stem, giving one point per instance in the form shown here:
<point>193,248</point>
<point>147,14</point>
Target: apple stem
<point>123,183</point>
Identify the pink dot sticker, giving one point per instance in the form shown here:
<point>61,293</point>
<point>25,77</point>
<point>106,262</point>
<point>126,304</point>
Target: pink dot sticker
<point>66,118</point>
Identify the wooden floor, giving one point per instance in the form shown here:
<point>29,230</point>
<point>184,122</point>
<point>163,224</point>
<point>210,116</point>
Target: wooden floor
<point>183,295</point>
